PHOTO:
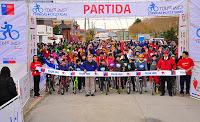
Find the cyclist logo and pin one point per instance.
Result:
(198, 33)
(37, 9)
(152, 7)
(13, 34)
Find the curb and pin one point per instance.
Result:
(33, 104)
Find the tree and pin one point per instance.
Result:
(56, 30)
(137, 21)
(170, 35)
(154, 26)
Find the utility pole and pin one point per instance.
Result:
(85, 29)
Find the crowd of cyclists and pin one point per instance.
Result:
(111, 55)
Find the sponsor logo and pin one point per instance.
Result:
(162, 9)
(73, 73)
(43, 70)
(138, 73)
(7, 9)
(105, 74)
(198, 32)
(49, 11)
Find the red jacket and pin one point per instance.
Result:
(168, 64)
(33, 68)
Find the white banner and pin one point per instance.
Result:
(194, 43)
(24, 90)
(183, 31)
(13, 36)
(110, 74)
(106, 9)
(195, 84)
(12, 112)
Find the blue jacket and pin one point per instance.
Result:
(54, 66)
(90, 66)
(141, 66)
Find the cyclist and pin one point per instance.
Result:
(153, 66)
(50, 77)
(141, 65)
(119, 68)
(131, 67)
(102, 67)
(63, 65)
(78, 67)
(7, 27)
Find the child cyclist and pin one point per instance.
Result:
(155, 79)
(141, 65)
(118, 68)
(78, 67)
(103, 67)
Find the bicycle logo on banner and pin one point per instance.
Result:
(7, 30)
(152, 7)
(198, 32)
(37, 8)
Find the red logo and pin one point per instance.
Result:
(195, 83)
(43, 69)
(138, 73)
(105, 74)
(163, 73)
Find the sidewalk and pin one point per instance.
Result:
(33, 102)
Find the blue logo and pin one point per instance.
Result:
(37, 8)
(152, 7)
(7, 30)
(198, 32)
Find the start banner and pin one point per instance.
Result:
(106, 9)
(111, 74)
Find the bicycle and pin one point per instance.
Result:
(128, 85)
(63, 85)
(50, 84)
(139, 84)
(13, 34)
(37, 9)
(75, 85)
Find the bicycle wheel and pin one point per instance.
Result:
(153, 88)
(141, 86)
(2, 35)
(14, 34)
(128, 87)
(49, 87)
(106, 87)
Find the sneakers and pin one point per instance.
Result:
(92, 95)
(162, 94)
(87, 95)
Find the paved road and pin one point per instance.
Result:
(115, 108)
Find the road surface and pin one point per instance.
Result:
(115, 108)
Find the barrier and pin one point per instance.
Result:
(111, 74)
(12, 111)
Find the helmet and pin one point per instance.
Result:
(141, 56)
